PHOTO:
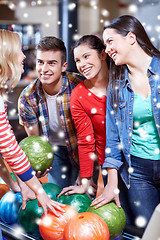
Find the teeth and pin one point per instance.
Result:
(113, 55)
(88, 69)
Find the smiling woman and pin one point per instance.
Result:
(133, 133)
(88, 109)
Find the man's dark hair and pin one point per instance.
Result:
(51, 43)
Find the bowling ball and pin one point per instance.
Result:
(114, 217)
(29, 218)
(3, 189)
(52, 190)
(9, 207)
(52, 227)
(39, 152)
(86, 226)
(80, 202)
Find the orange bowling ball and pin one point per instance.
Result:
(3, 189)
(52, 227)
(86, 226)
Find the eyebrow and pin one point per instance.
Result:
(49, 61)
(83, 54)
(108, 39)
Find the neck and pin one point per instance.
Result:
(98, 85)
(139, 63)
(100, 81)
(53, 88)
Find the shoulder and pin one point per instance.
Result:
(79, 89)
(74, 80)
(30, 90)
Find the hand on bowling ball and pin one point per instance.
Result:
(40, 174)
(110, 193)
(84, 187)
(46, 202)
(27, 194)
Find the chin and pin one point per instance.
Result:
(117, 63)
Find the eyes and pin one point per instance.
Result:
(84, 57)
(41, 62)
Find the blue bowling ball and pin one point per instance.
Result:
(9, 207)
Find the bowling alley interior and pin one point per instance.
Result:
(69, 20)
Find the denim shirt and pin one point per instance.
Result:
(119, 125)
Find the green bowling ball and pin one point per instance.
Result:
(114, 217)
(52, 190)
(29, 218)
(79, 202)
(39, 152)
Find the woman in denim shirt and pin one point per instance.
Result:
(132, 121)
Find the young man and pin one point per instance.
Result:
(44, 109)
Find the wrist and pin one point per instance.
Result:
(86, 183)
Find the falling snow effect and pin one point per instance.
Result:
(132, 9)
(140, 221)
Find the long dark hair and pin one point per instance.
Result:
(93, 42)
(123, 25)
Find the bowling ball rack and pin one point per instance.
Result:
(11, 233)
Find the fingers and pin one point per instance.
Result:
(117, 201)
(65, 190)
(73, 191)
(23, 204)
(96, 201)
(52, 205)
(38, 174)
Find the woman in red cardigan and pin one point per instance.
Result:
(88, 109)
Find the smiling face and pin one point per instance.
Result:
(117, 46)
(49, 67)
(88, 61)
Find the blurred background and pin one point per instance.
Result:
(68, 20)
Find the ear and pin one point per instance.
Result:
(132, 38)
(64, 66)
(103, 55)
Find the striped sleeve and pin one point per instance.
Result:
(11, 151)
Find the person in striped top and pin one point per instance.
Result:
(11, 68)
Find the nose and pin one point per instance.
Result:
(45, 67)
(24, 56)
(82, 63)
(108, 48)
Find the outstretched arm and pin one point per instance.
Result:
(110, 191)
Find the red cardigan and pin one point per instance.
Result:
(89, 116)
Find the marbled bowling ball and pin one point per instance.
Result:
(86, 226)
(80, 202)
(114, 217)
(9, 207)
(29, 218)
(39, 152)
(52, 227)
(52, 190)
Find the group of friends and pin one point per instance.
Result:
(109, 120)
